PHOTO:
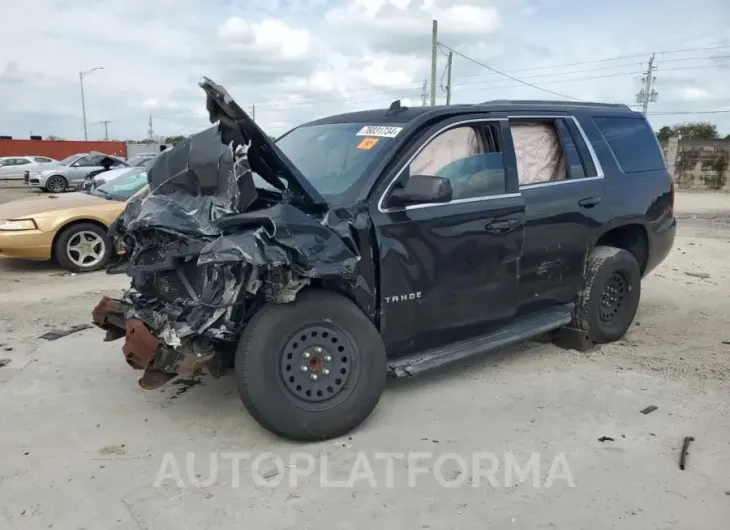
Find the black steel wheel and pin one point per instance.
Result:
(614, 293)
(313, 369)
(317, 363)
(607, 304)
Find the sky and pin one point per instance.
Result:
(304, 59)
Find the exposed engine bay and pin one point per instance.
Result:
(205, 248)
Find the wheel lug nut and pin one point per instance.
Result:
(326, 372)
(307, 355)
(314, 377)
(318, 349)
(305, 369)
(328, 358)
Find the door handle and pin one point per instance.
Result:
(589, 202)
(499, 227)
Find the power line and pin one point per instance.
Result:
(484, 84)
(507, 75)
(414, 84)
(688, 112)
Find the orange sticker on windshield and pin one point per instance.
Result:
(368, 143)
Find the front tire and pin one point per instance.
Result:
(56, 184)
(608, 302)
(83, 247)
(313, 369)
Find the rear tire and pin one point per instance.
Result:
(345, 363)
(607, 304)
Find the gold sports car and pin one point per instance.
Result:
(70, 227)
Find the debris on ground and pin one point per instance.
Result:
(60, 333)
(4, 362)
(703, 275)
(186, 384)
(649, 409)
(685, 448)
(606, 439)
(112, 450)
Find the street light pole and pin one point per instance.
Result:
(83, 101)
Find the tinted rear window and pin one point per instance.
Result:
(633, 143)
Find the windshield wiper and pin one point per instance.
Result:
(106, 194)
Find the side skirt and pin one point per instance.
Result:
(521, 328)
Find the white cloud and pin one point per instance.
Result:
(301, 60)
(695, 94)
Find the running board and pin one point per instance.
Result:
(521, 328)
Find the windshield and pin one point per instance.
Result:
(124, 186)
(139, 160)
(334, 156)
(67, 161)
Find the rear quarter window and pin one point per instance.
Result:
(632, 142)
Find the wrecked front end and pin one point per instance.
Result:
(205, 248)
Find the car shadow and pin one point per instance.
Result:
(16, 266)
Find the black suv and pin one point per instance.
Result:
(384, 242)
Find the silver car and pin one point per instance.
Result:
(72, 171)
(14, 167)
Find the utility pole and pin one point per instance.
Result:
(253, 112)
(448, 78)
(83, 101)
(106, 130)
(424, 93)
(434, 58)
(647, 94)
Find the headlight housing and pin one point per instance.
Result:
(17, 224)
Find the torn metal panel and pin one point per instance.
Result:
(206, 248)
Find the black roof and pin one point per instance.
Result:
(408, 114)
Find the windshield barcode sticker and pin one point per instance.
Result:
(379, 130)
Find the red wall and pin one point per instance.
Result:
(59, 149)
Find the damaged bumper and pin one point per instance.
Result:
(143, 350)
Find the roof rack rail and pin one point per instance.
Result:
(555, 103)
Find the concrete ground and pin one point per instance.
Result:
(11, 190)
(82, 447)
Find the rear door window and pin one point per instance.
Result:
(632, 142)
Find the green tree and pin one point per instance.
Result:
(698, 130)
(174, 139)
(664, 133)
(54, 138)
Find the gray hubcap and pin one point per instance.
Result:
(85, 249)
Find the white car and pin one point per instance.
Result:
(97, 180)
(14, 167)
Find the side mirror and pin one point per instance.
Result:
(422, 189)
(75, 164)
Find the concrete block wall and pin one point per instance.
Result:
(699, 164)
